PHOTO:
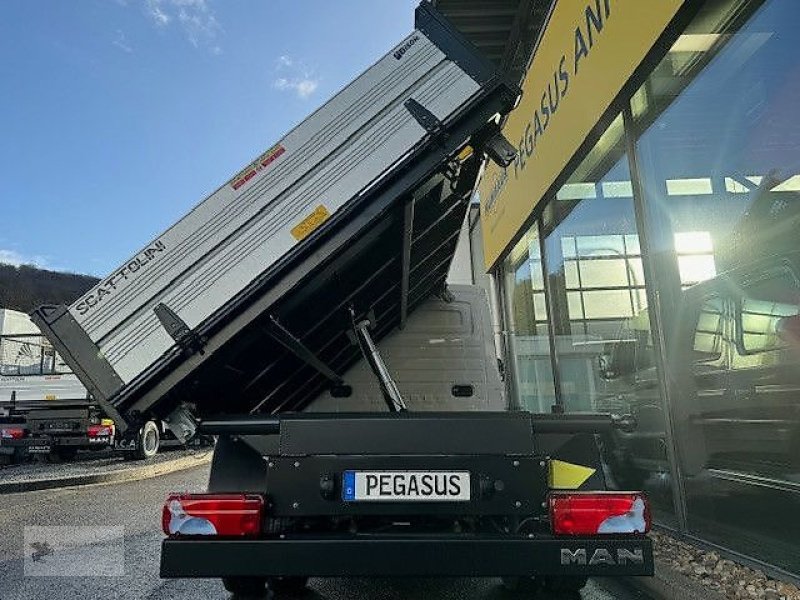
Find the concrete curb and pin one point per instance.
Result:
(668, 584)
(133, 473)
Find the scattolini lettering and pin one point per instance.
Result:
(108, 286)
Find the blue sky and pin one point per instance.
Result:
(118, 116)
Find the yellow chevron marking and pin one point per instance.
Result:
(568, 476)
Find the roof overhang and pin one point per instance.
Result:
(505, 31)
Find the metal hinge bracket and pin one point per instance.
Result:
(429, 121)
(186, 338)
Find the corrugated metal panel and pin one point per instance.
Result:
(505, 31)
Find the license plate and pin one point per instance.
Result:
(39, 449)
(406, 486)
(60, 426)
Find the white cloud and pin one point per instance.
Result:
(14, 258)
(154, 10)
(196, 19)
(121, 42)
(302, 87)
(294, 76)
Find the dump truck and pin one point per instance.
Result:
(267, 304)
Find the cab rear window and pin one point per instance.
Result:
(769, 314)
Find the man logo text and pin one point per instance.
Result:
(602, 556)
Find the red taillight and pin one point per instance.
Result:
(12, 433)
(593, 513)
(212, 514)
(100, 430)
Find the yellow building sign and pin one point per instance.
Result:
(589, 50)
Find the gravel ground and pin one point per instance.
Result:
(723, 576)
(88, 463)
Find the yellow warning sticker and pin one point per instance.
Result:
(465, 153)
(307, 226)
(568, 476)
(50, 397)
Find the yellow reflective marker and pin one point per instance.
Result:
(307, 226)
(465, 153)
(568, 476)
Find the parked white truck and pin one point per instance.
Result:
(46, 410)
(282, 291)
(44, 407)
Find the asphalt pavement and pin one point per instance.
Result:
(87, 463)
(103, 542)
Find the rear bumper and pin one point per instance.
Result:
(417, 556)
(81, 441)
(43, 440)
(25, 443)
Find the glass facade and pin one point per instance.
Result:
(527, 326)
(663, 280)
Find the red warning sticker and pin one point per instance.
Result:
(259, 164)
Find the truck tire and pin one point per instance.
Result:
(14, 458)
(65, 453)
(148, 441)
(287, 585)
(245, 587)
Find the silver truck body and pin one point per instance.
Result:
(164, 312)
(210, 255)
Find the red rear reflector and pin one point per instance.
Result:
(593, 513)
(212, 514)
(12, 433)
(100, 430)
